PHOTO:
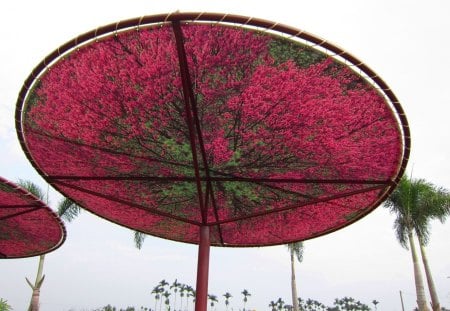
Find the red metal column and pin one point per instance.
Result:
(201, 297)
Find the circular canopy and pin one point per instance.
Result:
(167, 123)
(28, 227)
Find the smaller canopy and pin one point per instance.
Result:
(28, 227)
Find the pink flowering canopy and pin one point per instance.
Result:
(28, 227)
(167, 123)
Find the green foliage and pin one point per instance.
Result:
(416, 202)
(296, 249)
(311, 305)
(5, 188)
(227, 296)
(139, 238)
(348, 304)
(342, 304)
(68, 209)
(107, 308)
(112, 308)
(304, 56)
(246, 294)
(241, 191)
(161, 289)
(179, 152)
(4, 306)
(33, 188)
(212, 299)
(166, 295)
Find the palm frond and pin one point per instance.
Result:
(68, 209)
(296, 249)
(32, 188)
(416, 202)
(401, 232)
(139, 238)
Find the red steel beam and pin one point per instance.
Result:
(187, 94)
(201, 292)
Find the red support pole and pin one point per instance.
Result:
(201, 296)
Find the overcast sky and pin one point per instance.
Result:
(406, 42)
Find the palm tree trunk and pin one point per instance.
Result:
(293, 284)
(34, 302)
(420, 289)
(434, 298)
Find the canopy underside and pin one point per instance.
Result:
(179, 124)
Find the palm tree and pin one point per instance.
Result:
(161, 292)
(183, 288)
(311, 305)
(273, 305)
(67, 210)
(227, 296)
(437, 207)
(156, 292)
(416, 202)
(190, 293)
(162, 284)
(375, 302)
(246, 294)
(349, 303)
(280, 303)
(166, 295)
(175, 285)
(296, 251)
(213, 299)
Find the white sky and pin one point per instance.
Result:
(406, 42)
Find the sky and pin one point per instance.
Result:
(406, 42)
